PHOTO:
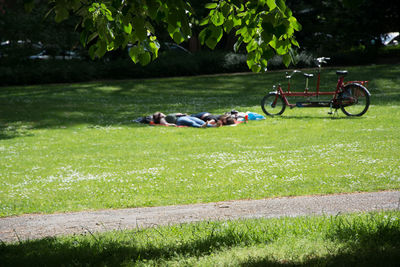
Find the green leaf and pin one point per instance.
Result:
(149, 27)
(270, 18)
(286, 60)
(153, 47)
(252, 6)
(256, 68)
(92, 51)
(242, 14)
(282, 47)
(61, 13)
(204, 21)
(138, 26)
(273, 42)
(152, 8)
(250, 63)
(266, 36)
(267, 27)
(184, 25)
(109, 17)
(101, 48)
(211, 5)
(249, 36)
(203, 35)
(92, 37)
(135, 52)
(83, 38)
(177, 37)
(294, 58)
(295, 24)
(280, 30)
(144, 58)
(246, 33)
(288, 12)
(253, 61)
(228, 25)
(248, 19)
(294, 42)
(281, 5)
(217, 18)
(242, 31)
(226, 9)
(215, 37)
(268, 53)
(271, 4)
(236, 21)
(236, 46)
(264, 63)
(110, 46)
(251, 46)
(128, 28)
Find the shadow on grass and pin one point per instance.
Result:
(330, 117)
(357, 257)
(50, 251)
(120, 102)
(368, 245)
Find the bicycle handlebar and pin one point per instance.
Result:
(320, 60)
(323, 59)
(290, 76)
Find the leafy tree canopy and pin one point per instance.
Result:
(263, 27)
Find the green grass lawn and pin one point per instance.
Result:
(70, 147)
(371, 239)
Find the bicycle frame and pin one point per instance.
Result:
(352, 97)
(307, 94)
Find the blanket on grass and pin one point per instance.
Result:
(155, 124)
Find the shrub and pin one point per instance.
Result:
(169, 64)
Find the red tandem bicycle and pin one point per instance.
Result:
(352, 97)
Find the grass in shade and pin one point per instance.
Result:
(371, 239)
(70, 147)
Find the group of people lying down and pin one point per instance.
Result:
(199, 120)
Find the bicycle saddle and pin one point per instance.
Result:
(341, 72)
(308, 75)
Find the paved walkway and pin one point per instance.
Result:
(39, 226)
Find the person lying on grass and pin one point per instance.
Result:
(216, 120)
(178, 119)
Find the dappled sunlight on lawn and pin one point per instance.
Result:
(75, 147)
(119, 102)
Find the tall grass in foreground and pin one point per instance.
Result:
(69, 147)
(371, 239)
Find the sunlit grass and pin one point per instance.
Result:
(74, 146)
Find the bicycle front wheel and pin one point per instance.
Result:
(273, 104)
(355, 100)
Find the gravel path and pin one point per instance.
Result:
(39, 226)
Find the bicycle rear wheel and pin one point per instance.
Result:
(273, 104)
(355, 100)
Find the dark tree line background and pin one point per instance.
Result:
(344, 24)
(345, 29)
